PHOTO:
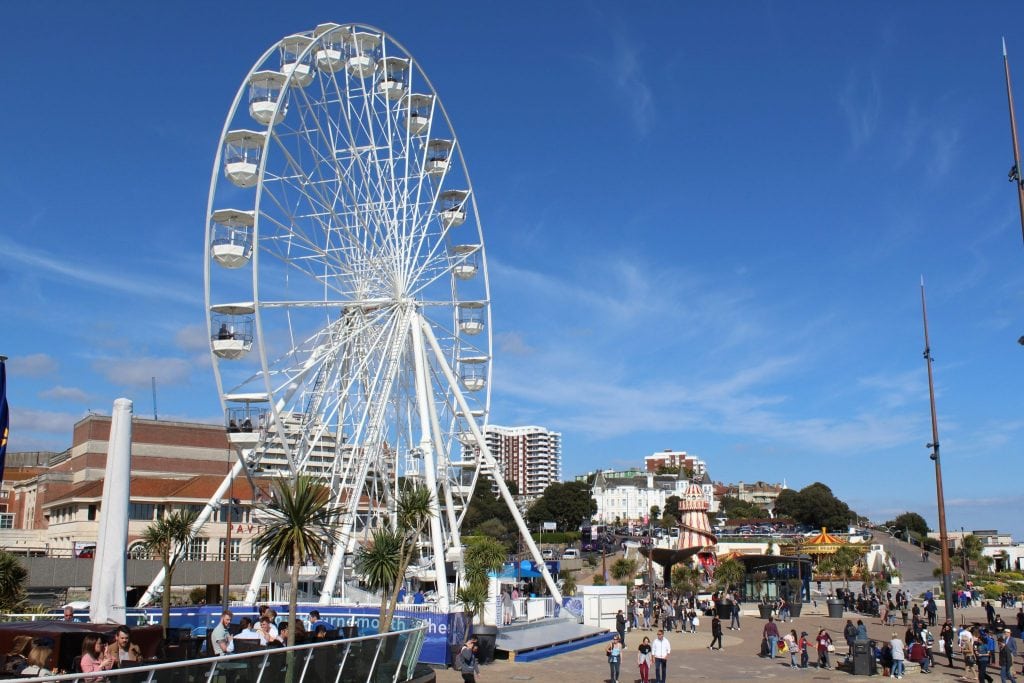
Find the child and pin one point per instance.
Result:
(804, 644)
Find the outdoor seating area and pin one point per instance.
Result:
(188, 654)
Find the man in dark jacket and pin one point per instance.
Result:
(468, 665)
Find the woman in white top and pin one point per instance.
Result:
(38, 658)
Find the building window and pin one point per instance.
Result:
(236, 547)
(7, 520)
(237, 513)
(196, 551)
(91, 513)
(141, 511)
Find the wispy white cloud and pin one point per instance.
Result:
(512, 343)
(192, 338)
(32, 365)
(61, 393)
(138, 372)
(48, 422)
(103, 277)
(629, 75)
(861, 103)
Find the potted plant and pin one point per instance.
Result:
(796, 597)
(484, 555)
(764, 607)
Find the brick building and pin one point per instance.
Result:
(529, 456)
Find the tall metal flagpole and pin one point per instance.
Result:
(947, 579)
(1014, 175)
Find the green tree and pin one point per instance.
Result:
(730, 574)
(163, 539)
(568, 504)
(672, 506)
(969, 551)
(483, 555)
(844, 560)
(668, 520)
(655, 513)
(384, 560)
(13, 577)
(734, 508)
(910, 520)
(685, 578)
(485, 507)
(300, 524)
(622, 570)
(815, 505)
(568, 582)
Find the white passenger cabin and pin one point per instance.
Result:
(473, 372)
(231, 242)
(471, 317)
(231, 327)
(247, 418)
(264, 91)
(293, 63)
(361, 47)
(394, 75)
(417, 118)
(453, 211)
(329, 52)
(242, 151)
(466, 262)
(439, 154)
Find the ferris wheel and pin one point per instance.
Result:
(346, 289)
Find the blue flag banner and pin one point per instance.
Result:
(5, 417)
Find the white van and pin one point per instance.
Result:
(571, 554)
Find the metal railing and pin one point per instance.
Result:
(389, 657)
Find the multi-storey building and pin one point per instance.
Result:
(629, 499)
(678, 461)
(760, 493)
(529, 456)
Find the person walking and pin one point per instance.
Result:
(1005, 662)
(614, 652)
(716, 633)
(983, 656)
(824, 641)
(771, 634)
(644, 660)
(850, 635)
(661, 649)
(792, 647)
(946, 636)
(620, 627)
(469, 667)
(1011, 645)
(898, 655)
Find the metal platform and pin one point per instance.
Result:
(537, 640)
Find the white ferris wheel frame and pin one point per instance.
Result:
(413, 326)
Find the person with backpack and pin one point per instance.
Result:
(614, 653)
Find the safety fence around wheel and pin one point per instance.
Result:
(389, 657)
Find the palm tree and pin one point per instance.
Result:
(299, 524)
(484, 555)
(623, 569)
(164, 538)
(384, 560)
(970, 551)
(568, 582)
(730, 573)
(13, 577)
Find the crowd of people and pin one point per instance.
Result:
(30, 656)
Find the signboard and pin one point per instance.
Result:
(550, 526)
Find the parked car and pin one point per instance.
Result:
(571, 554)
(547, 554)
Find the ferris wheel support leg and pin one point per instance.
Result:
(455, 539)
(197, 526)
(429, 467)
(253, 590)
(489, 460)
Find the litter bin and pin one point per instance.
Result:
(351, 631)
(863, 658)
(835, 609)
(486, 636)
(724, 610)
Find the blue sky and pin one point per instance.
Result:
(705, 223)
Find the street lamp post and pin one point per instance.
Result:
(947, 580)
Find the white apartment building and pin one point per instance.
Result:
(630, 499)
(529, 456)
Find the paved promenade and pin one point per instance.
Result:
(738, 660)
